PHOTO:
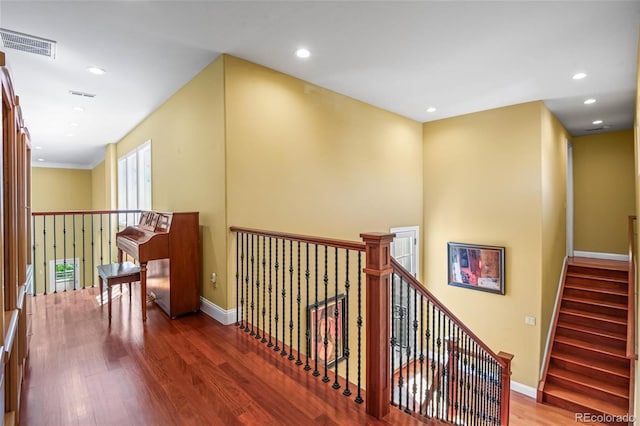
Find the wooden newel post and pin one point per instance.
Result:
(506, 387)
(378, 275)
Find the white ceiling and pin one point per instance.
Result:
(460, 57)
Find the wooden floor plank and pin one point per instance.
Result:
(189, 371)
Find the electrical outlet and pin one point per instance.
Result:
(530, 320)
(213, 279)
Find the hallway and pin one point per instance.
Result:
(190, 371)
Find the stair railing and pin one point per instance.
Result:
(302, 297)
(441, 369)
(632, 353)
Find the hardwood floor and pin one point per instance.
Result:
(189, 371)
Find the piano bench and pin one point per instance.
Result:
(117, 273)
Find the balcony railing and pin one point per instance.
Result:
(68, 245)
(334, 306)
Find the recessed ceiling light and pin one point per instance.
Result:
(78, 108)
(431, 109)
(38, 147)
(96, 70)
(589, 101)
(579, 76)
(70, 134)
(598, 122)
(40, 159)
(303, 53)
(73, 124)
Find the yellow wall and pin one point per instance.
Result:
(604, 193)
(303, 159)
(188, 164)
(554, 215)
(483, 184)
(98, 187)
(60, 189)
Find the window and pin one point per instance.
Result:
(134, 181)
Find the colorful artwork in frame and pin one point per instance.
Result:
(475, 266)
(325, 325)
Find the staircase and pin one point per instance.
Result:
(588, 370)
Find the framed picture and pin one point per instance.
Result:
(325, 322)
(476, 266)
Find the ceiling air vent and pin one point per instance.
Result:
(82, 94)
(28, 43)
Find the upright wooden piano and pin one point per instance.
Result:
(167, 246)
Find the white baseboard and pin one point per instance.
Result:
(606, 256)
(524, 389)
(223, 316)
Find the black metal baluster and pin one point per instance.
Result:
(475, 386)
(315, 318)
(431, 382)
(441, 365)
(241, 323)
(499, 400)
(290, 357)
(55, 257)
(485, 368)
(347, 350)
(336, 317)
(394, 342)
(74, 251)
(408, 349)
(415, 348)
(101, 240)
(325, 378)
(359, 399)
(458, 370)
(270, 344)
(237, 277)
(436, 372)
(252, 282)
(452, 368)
(277, 266)
(423, 397)
(260, 284)
(34, 291)
(257, 334)
(465, 365)
(246, 287)
(307, 274)
(44, 251)
(93, 281)
(298, 299)
(264, 288)
(64, 250)
(283, 352)
(494, 391)
(401, 314)
(110, 231)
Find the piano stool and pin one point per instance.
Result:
(117, 273)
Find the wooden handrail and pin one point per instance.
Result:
(406, 276)
(77, 212)
(331, 242)
(631, 296)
